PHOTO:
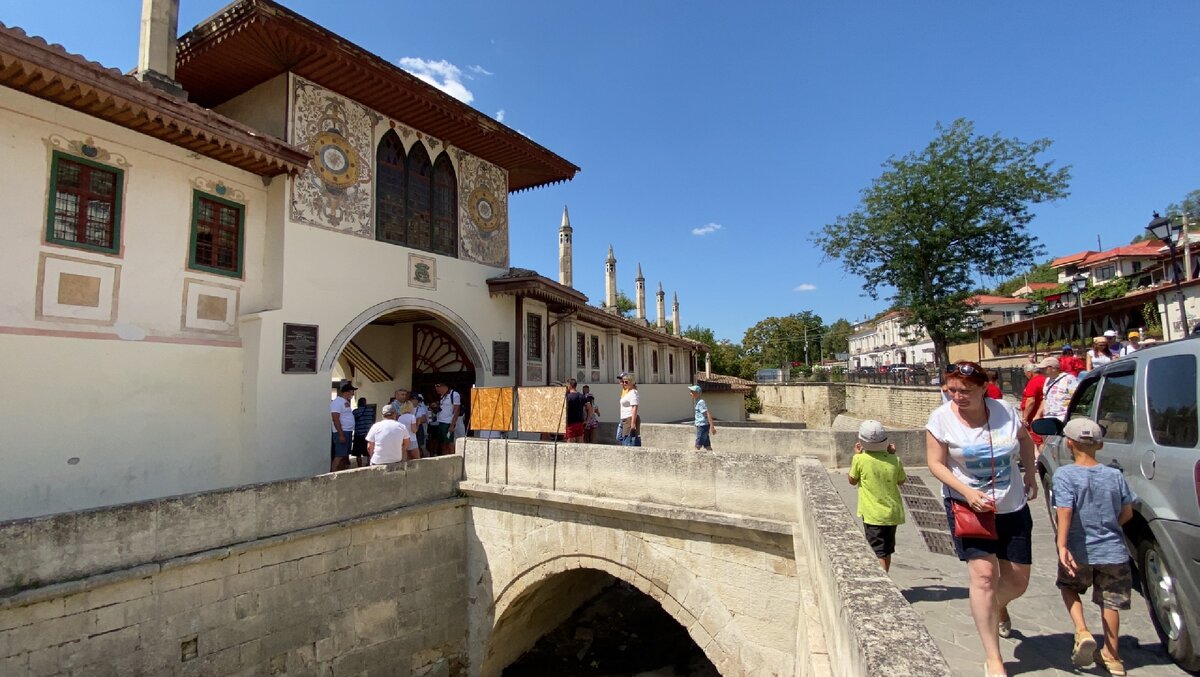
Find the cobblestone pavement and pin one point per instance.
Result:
(936, 585)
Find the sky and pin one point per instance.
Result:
(715, 138)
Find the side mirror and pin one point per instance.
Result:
(1047, 426)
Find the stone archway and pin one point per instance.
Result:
(684, 598)
(455, 324)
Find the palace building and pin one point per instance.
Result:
(194, 252)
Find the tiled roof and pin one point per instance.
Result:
(1039, 286)
(723, 383)
(990, 300)
(1070, 258)
(31, 65)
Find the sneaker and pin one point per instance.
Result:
(1084, 653)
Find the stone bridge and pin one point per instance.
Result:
(457, 566)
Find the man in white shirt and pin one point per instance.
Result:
(388, 439)
(341, 413)
(1133, 345)
(449, 410)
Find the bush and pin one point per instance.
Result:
(753, 404)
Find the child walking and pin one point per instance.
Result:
(1092, 501)
(878, 475)
(704, 421)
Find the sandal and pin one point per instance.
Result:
(1084, 653)
(1004, 628)
(1114, 665)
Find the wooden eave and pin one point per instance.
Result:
(31, 65)
(252, 41)
(563, 299)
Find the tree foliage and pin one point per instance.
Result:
(935, 218)
(836, 339)
(780, 341)
(1041, 272)
(726, 357)
(625, 305)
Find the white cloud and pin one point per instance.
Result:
(706, 229)
(805, 287)
(440, 74)
(480, 70)
(500, 115)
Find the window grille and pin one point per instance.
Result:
(85, 204)
(217, 235)
(533, 337)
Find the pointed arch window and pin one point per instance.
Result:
(445, 207)
(390, 184)
(420, 185)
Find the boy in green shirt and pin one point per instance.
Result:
(878, 475)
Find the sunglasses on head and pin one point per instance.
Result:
(965, 369)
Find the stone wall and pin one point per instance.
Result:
(818, 404)
(336, 574)
(833, 448)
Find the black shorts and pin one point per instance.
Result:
(881, 538)
(360, 446)
(1014, 545)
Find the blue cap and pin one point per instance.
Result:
(1068, 347)
(695, 389)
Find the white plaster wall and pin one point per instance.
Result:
(143, 420)
(660, 402)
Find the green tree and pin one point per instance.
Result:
(779, 341)
(836, 338)
(726, 356)
(625, 305)
(935, 218)
(1189, 206)
(1041, 272)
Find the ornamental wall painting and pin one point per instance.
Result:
(335, 189)
(482, 211)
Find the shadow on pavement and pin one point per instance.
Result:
(933, 593)
(1041, 652)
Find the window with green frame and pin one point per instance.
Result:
(218, 234)
(85, 204)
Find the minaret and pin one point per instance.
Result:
(564, 250)
(675, 313)
(640, 284)
(660, 295)
(610, 281)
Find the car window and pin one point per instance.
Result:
(1084, 396)
(1171, 394)
(1115, 410)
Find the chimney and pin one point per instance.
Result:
(158, 44)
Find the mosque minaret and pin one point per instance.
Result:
(640, 288)
(675, 313)
(564, 250)
(610, 282)
(660, 296)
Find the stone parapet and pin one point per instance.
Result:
(818, 404)
(833, 448)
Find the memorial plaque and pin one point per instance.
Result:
(299, 348)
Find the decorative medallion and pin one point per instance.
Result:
(422, 271)
(335, 161)
(86, 148)
(483, 209)
(217, 187)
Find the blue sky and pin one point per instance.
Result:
(766, 118)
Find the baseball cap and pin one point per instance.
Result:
(1083, 430)
(872, 436)
(695, 389)
(347, 388)
(390, 409)
(1048, 362)
(1111, 333)
(1068, 349)
(1134, 334)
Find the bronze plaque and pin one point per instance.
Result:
(299, 348)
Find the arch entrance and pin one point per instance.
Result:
(406, 343)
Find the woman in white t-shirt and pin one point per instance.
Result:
(972, 446)
(1099, 354)
(628, 434)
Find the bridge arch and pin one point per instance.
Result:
(681, 595)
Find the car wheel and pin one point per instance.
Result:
(1166, 600)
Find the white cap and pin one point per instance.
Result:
(872, 436)
(1111, 333)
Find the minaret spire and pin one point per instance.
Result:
(564, 250)
(660, 295)
(640, 293)
(610, 282)
(675, 313)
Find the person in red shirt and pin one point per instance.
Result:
(1031, 399)
(1070, 363)
(993, 387)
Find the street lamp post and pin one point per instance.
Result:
(1031, 310)
(1161, 228)
(1079, 284)
(976, 323)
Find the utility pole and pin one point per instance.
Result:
(805, 346)
(1185, 244)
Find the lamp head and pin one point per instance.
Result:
(1160, 227)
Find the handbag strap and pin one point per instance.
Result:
(987, 423)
